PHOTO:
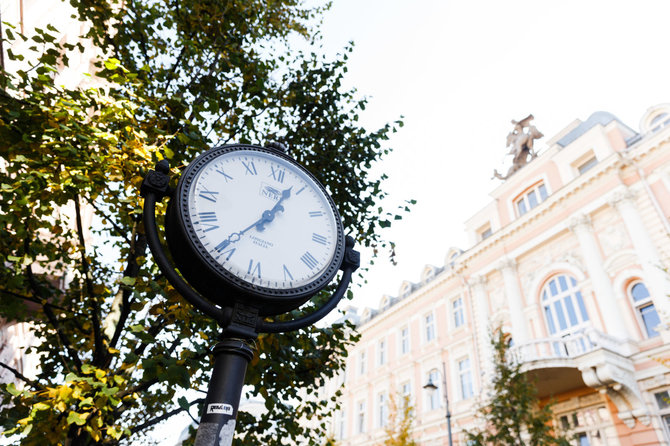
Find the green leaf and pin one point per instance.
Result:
(76, 418)
(129, 281)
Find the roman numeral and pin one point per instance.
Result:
(287, 274)
(250, 168)
(225, 175)
(208, 194)
(254, 269)
(229, 252)
(309, 260)
(318, 238)
(316, 213)
(277, 175)
(208, 219)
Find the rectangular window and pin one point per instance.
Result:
(360, 417)
(429, 323)
(532, 199)
(663, 402)
(361, 363)
(339, 435)
(434, 393)
(457, 308)
(522, 207)
(587, 165)
(465, 378)
(381, 352)
(404, 340)
(382, 410)
(485, 233)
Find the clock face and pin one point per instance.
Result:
(262, 219)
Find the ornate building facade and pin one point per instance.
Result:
(569, 258)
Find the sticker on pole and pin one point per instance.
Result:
(223, 408)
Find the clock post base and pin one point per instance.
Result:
(217, 423)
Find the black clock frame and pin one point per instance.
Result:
(208, 276)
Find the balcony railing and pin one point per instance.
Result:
(566, 347)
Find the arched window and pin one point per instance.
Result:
(644, 308)
(563, 305)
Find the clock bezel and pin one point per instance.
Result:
(211, 278)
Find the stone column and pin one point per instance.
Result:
(514, 300)
(655, 278)
(481, 321)
(602, 286)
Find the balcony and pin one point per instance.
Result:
(584, 358)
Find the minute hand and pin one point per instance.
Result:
(269, 215)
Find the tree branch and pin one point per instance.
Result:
(95, 308)
(118, 228)
(34, 384)
(164, 417)
(52, 317)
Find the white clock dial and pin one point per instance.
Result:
(263, 219)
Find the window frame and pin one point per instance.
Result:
(522, 202)
(432, 325)
(663, 409)
(360, 417)
(458, 313)
(362, 366)
(639, 306)
(555, 305)
(381, 352)
(434, 396)
(382, 409)
(404, 341)
(465, 378)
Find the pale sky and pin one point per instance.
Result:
(460, 70)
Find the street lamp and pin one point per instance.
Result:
(430, 385)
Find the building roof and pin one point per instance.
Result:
(600, 117)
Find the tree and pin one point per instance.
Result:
(401, 420)
(513, 416)
(119, 345)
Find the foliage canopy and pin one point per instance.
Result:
(119, 345)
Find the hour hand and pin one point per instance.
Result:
(269, 215)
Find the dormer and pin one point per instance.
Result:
(428, 273)
(452, 256)
(386, 302)
(368, 314)
(655, 118)
(405, 289)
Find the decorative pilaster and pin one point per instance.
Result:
(602, 286)
(513, 293)
(655, 277)
(481, 320)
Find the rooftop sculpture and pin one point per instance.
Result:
(520, 145)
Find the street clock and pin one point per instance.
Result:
(250, 225)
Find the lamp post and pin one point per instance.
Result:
(430, 385)
(246, 243)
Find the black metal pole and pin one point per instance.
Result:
(217, 422)
(446, 400)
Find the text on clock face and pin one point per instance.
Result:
(263, 219)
